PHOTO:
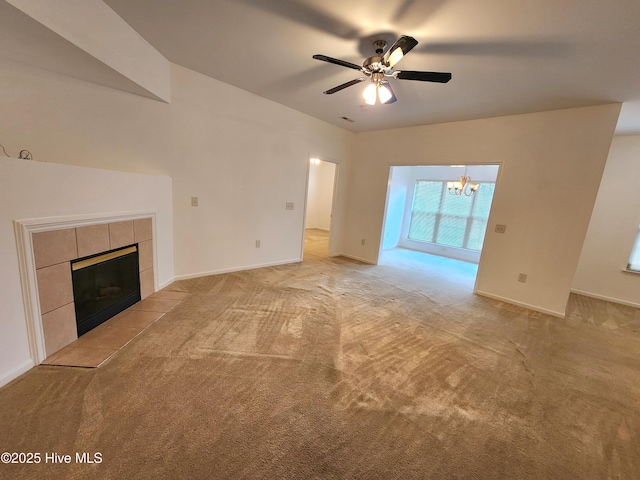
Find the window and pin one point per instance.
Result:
(634, 258)
(451, 220)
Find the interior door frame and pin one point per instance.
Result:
(332, 224)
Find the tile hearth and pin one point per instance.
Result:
(97, 346)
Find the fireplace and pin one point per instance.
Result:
(47, 247)
(104, 285)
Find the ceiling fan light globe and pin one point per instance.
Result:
(370, 94)
(384, 94)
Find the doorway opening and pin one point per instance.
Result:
(321, 192)
(428, 226)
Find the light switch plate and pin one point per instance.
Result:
(289, 206)
(194, 201)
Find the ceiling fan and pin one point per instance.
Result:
(380, 66)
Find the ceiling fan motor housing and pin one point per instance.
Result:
(375, 64)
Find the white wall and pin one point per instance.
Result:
(613, 228)
(552, 165)
(320, 195)
(32, 189)
(399, 191)
(242, 155)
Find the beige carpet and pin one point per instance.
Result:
(331, 369)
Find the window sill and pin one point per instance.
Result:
(636, 272)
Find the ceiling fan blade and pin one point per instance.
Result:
(440, 77)
(344, 85)
(337, 61)
(399, 49)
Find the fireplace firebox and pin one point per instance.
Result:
(104, 285)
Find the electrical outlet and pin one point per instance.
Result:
(289, 206)
(257, 243)
(194, 201)
(363, 242)
(522, 278)
(500, 228)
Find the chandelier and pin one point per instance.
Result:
(463, 186)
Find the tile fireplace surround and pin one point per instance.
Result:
(52, 249)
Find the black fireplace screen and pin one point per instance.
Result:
(104, 285)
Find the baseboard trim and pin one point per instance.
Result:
(605, 298)
(15, 372)
(353, 257)
(521, 304)
(235, 269)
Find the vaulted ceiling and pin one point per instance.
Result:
(505, 57)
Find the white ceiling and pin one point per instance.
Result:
(506, 56)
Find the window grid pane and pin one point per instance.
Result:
(422, 226)
(456, 205)
(483, 197)
(476, 234)
(427, 196)
(451, 231)
(444, 219)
